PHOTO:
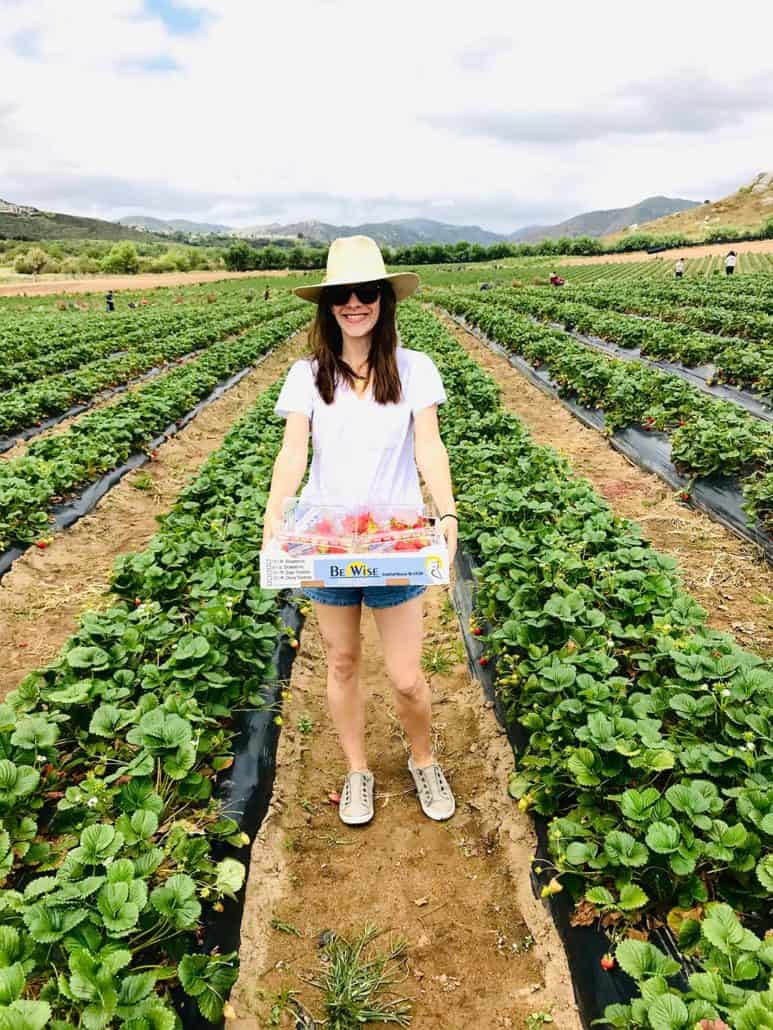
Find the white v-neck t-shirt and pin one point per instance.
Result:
(363, 451)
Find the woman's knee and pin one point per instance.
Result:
(343, 663)
(408, 684)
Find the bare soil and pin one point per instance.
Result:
(728, 577)
(146, 281)
(482, 952)
(747, 246)
(45, 591)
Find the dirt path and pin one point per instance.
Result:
(42, 595)
(145, 281)
(747, 246)
(725, 574)
(482, 952)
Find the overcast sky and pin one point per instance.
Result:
(490, 112)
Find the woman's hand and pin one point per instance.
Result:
(450, 529)
(271, 523)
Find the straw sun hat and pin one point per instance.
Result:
(357, 259)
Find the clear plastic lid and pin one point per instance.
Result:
(333, 529)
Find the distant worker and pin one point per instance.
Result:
(556, 280)
(266, 294)
(730, 262)
(109, 302)
(679, 268)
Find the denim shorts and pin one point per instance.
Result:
(374, 597)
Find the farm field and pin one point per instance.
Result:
(602, 670)
(12, 285)
(758, 253)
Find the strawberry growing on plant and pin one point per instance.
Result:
(607, 962)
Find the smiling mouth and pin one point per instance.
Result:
(356, 317)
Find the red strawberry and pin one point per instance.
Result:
(477, 631)
(294, 644)
(325, 527)
(336, 550)
(41, 544)
(607, 962)
(334, 797)
(137, 602)
(483, 660)
(404, 545)
(684, 496)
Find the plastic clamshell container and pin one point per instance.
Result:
(382, 545)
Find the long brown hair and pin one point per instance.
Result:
(327, 345)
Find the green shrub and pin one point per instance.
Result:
(122, 258)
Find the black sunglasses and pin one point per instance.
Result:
(366, 293)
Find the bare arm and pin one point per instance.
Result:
(289, 470)
(432, 462)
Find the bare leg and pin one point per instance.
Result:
(340, 628)
(402, 632)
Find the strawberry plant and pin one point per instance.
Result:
(58, 465)
(23, 405)
(108, 821)
(707, 435)
(647, 740)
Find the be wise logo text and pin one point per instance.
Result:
(356, 569)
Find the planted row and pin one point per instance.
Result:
(108, 827)
(738, 362)
(100, 335)
(706, 435)
(58, 465)
(709, 314)
(646, 736)
(748, 294)
(31, 402)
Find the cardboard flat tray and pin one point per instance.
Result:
(427, 567)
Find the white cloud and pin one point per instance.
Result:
(321, 109)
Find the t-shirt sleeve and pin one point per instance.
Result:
(426, 385)
(297, 393)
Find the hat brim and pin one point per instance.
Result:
(403, 283)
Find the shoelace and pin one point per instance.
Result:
(439, 783)
(363, 790)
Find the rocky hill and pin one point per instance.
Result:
(749, 208)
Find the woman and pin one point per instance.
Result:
(730, 262)
(371, 407)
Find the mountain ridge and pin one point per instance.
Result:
(24, 220)
(605, 221)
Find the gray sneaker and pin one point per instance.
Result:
(437, 801)
(356, 804)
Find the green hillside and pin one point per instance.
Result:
(44, 225)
